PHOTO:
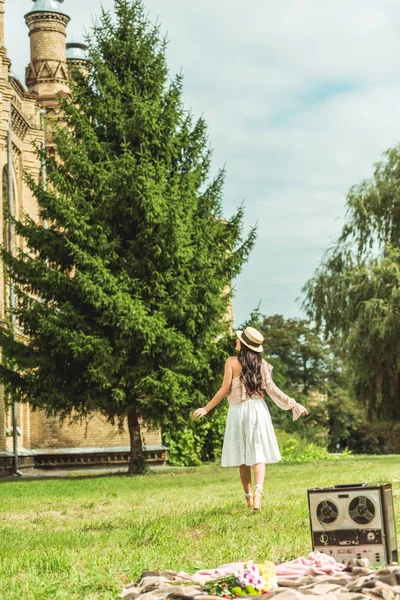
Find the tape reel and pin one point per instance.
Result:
(329, 512)
(362, 510)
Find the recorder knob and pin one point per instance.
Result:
(323, 538)
(370, 536)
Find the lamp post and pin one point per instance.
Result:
(11, 214)
(43, 154)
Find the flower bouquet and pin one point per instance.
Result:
(252, 580)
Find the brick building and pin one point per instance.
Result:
(24, 113)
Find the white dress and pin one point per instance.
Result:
(249, 434)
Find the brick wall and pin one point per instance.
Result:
(48, 37)
(48, 432)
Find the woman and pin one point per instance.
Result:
(250, 439)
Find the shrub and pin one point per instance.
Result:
(182, 447)
(296, 449)
(201, 441)
(333, 420)
(376, 438)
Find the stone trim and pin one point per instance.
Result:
(88, 450)
(73, 458)
(57, 72)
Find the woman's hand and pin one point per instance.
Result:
(200, 412)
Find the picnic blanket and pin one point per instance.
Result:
(317, 563)
(315, 575)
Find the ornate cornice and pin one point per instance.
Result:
(32, 18)
(78, 63)
(46, 71)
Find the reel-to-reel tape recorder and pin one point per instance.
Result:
(354, 521)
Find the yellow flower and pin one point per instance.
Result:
(267, 572)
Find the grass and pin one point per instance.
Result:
(86, 538)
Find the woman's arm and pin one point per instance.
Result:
(281, 399)
(222, 392)
(284, 401)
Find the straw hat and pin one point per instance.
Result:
(251, 338)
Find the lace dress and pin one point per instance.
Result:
(249, 434)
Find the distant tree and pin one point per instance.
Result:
(304, 364)
(121, 300)
(339, 416)
(355, 293)
(297, 352)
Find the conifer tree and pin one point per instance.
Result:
(122, 299)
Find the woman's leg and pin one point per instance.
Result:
(245, 476)
(259, 476)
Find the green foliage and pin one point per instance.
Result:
(338, 416)
(184, 447)
(122, 298)
(189, 448)
(312, 371)
(201, 441)
(297, 352)
(303, 362)
(376, 438)
(227, 587)
(295, 448)
(355, 293)
(309, 428)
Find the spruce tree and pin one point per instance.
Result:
(121, 299)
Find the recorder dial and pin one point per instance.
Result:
(323, 538)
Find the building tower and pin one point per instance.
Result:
(47, 73)
(77, 56)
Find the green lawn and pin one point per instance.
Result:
(86, 538)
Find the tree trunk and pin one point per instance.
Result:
(137, 462)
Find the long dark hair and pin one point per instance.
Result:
(251, 370)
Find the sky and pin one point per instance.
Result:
(301, 98)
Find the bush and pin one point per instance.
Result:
(314, 428)
(296, 449)
(333, 420)
(201, 441)
(376, 438)
(183, 447)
